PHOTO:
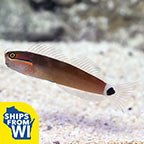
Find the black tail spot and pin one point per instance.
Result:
(110, 91)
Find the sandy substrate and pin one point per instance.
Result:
(67, 119)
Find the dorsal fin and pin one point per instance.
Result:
(54, 52)
(48, 50)
(85, 64)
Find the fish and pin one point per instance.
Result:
(75, 79)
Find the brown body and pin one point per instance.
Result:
(47, 68)
(66, 74)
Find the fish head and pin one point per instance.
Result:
(20, 61)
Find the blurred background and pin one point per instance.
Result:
(73, 20)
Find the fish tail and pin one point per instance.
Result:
(121, 96)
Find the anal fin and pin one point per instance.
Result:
(82, 94)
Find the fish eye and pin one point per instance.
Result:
(12, 55)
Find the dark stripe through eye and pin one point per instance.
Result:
(25, 59)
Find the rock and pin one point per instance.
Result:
(37, 1)
(65, 2)
(43, 5)
(45, 26)
(85, 25)
(14, 15)
(101, 19)
(94, 20)
(50, 5)
(19, 22)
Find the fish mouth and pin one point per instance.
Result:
(7, 64)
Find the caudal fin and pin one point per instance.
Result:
(123, 96)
